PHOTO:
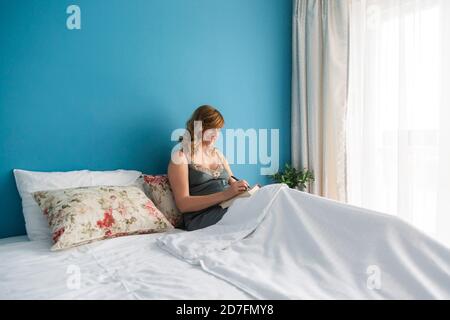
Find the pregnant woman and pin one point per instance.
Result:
(199, 174)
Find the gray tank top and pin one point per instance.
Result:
(203, 181)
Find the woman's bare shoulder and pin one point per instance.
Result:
(178, 158)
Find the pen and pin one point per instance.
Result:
(248, 187)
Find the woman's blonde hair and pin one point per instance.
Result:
(210, 118)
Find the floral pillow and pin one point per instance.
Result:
(81, 215)
(158, 189)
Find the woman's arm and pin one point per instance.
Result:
(179, 182)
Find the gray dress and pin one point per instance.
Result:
(203, 183)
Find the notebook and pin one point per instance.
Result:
(246, 194)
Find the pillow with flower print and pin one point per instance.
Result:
(81, 215)
(158, 189)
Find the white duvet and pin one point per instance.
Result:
(130, 267)
(286, 244)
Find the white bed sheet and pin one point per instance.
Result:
(13, 239)
(130, 267)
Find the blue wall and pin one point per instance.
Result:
(109, 95)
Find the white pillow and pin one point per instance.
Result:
(28, 182)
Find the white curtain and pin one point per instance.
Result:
(398, 122)
(319, 93)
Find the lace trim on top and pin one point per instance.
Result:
(213, 172)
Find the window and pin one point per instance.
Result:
(398, 134)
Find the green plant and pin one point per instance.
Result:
(293, 178)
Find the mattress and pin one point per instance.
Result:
(131, 267)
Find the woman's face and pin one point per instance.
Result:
(210, 136)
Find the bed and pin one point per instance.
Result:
(130, 267)
(278, 244)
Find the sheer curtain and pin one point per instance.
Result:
(398, 120)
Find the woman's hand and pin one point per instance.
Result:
(236, 187)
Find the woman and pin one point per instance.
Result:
(199, 174)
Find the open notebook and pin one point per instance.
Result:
(245, 194)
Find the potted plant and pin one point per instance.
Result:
(295, 179)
